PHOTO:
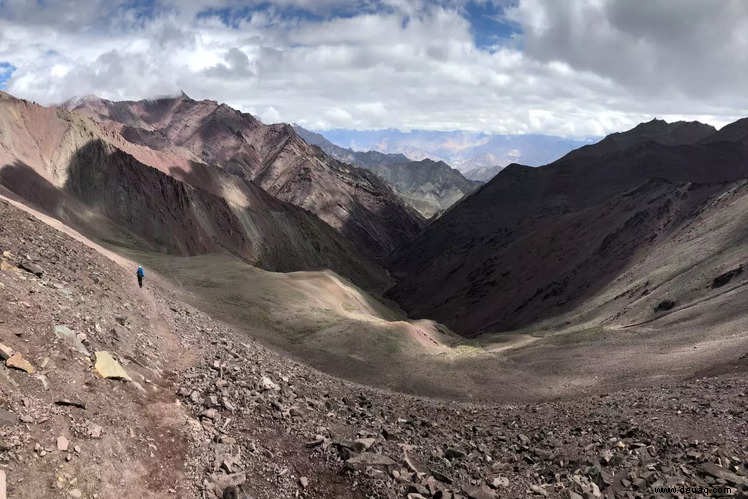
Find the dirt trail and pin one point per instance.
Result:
(123, 439)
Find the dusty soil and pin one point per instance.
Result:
(210, 412)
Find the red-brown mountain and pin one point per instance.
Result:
(88, 175)
(353, 201)
(633, 226)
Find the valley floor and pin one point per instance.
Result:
(210, 412)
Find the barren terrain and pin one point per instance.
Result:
(208, 408)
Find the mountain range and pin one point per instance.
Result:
(463, 150)
(428, 186)
(144, 174)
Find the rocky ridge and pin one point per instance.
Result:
(353, 201)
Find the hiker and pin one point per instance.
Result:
(140, 273)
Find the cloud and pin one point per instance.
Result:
(565, 68)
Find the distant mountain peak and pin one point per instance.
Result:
(428, 186)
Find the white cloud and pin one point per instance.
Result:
(578, 69)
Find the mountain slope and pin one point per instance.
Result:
(590, 235)
(107, 187)
(428, 186)
(206, 406)
(483, 173)
(353, 201)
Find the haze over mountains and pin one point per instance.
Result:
(428, 186)
(465, 151)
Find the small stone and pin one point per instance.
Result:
(94, 430)
(365, 443)
(209, 413)
(500, 481)
(17, 361)
(31, 268)
(316, 442)
(69, 337)
(62, 443)
(417, 488)
(75, 493)
(441, 476)
(481, 492)
(267, 384)
(370, 459)
(295, 412)
(71, 403)
(539, 490)
(723, 474)
(5, 352)
(304, 482)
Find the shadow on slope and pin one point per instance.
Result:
(111, 196)
(535, 243)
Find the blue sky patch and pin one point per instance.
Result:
(6, 71)
(489, 25)
(233, 16)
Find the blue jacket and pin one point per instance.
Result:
(140, 272)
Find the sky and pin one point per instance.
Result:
(564, 68)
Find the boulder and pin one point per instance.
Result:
(5, 352)
(31, 268)
(69, 337)
(17, 361)
(109, 368)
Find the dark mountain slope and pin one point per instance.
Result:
(536, 242)
(353, 201)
